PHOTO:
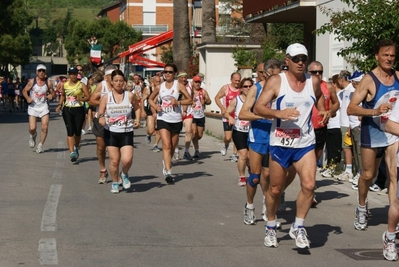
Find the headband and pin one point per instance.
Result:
(182, 74)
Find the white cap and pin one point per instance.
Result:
(41, 67)
(296, 49)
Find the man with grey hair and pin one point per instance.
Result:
(102, 88)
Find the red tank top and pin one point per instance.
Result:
(230, 95)
(316, 119)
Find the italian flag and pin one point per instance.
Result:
(95, 54)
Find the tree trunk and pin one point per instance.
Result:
(181, 34)
(208, 21)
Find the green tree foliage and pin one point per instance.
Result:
(167, 54)
(114, 38)
(284, 34)
(368, 22)
(15, 44)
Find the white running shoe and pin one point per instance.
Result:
(83, 132)
(327, 173)
(32, 141)
(344, 176)
(355, 179)
(234, 158)
(114, 188)
(360, 220)
(249, 216)
(176, 155)
(242, 181)
(389, 248)
(223, 151)
(125, 180)
(300, 236)
(39, 149)
(270, 237)
(375, 188)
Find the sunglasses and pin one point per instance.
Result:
(41, 70)
(168, 71)
(197, 81)
(297, 59)
(265, 72)
(246, 86)
(314, 72)
(80, 69)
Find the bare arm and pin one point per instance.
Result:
(153, 95)
(187, 98)
(334, 106)
(95, 96)
(230, 109)
(101, 110)
(320, 104)
(86, 93)
(51, 91)
(136, 108)
(207, 99)
(25, 91)
(219, 95)
(245, 112)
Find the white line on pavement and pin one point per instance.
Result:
(48, 251)
(49, 219)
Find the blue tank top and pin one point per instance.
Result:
(372, 132)
(259, 130)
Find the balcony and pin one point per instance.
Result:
(279, 11)
(150, 29)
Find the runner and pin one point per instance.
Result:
(36, 92)
(292, 139)
(227, 93)
(200, 99)
(115, 115)
(169, 119)
(74, 94)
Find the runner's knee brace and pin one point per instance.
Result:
(253, 179)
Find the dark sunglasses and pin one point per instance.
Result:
(80, 69)
(246, 86)
(168, 71)
(297, 59)
(314, 72)
(197, 81)
(41, 70)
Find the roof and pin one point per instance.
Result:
(104, 9)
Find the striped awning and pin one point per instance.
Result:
(197, 17)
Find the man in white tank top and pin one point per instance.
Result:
(40, 90)
(292, 139)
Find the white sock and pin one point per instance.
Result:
(298, 222)
(271, 224)
(348, 168)
(250, 206)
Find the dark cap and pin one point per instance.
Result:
(73, 70)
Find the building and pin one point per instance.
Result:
(110, 11)
(323, 48)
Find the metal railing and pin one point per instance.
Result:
(150, 29)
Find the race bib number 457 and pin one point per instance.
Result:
(288, 136)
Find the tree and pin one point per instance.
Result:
(15, 44)
(367, 22)
(114, 38)
(208, 21)
(181, 34)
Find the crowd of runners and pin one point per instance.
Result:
(280, 125)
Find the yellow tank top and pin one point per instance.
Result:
(72, 94)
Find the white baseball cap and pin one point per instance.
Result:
(296, 49)
(41, 67)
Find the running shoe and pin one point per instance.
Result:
(187, 155)
(375, 188)
(354, 179)
(156, 149)
(125, 180)
(383, 192)
(344, 176)
(39, 149)
(360, 220)
(114, 188)
(270, 237)
(148, 139)
(32, 141)
(234, 158)
(176, 155)
(300, 236)
(196, 154)
(169, 179)
(120, 182)
(389, 248)
(83, 132)
(223, 151)
(327, 173)
(103, 177)
(89, 129)
(264, 217)
(242, 181)
(164, 172)
(249, 216)
(73, 156)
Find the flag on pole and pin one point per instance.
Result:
(95, 53)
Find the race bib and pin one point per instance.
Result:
(118, 121)
(288, 137)
(243, 126)
(72, 101)
(167, 105)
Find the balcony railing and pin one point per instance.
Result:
(150, 29)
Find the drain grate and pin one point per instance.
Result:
(363, 254)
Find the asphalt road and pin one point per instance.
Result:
(54, 213)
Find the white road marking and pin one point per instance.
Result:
(57, 175)
(48, 251)
(49, 219)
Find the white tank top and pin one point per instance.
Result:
(240, 125)
(119, 116)
(39, 95)
(190, 92)
(169, 113)
(198, 110)
(104, 90)
(298, 133)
